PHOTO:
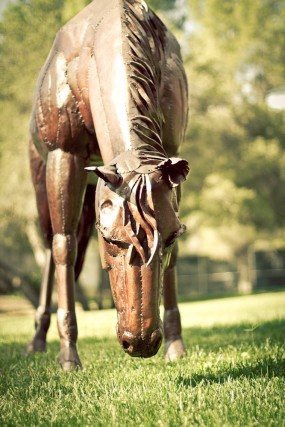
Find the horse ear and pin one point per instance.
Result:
(176, 170)
(108, 173)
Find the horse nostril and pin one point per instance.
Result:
(155, 339)
(127, 346)
(156, 335)
(128, 342)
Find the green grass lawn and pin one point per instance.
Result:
(233, 374)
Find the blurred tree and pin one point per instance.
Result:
(235, 143)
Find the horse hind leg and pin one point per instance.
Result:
(85, 227)
(84, 232)
(174, 346)
(43, 312)
(66, 183)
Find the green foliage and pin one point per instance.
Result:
(162, 4)
(233, 374)
(232, 61)
(223, 201)
(245, 33)
(25, 27)
(72, 7)
(263, 171)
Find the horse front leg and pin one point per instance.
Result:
(66, 183)
(43, 312)
(174, 346)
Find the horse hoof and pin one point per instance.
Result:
(174, 350)
(36, 346)
(68, 359)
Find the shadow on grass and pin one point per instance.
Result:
(215, 337)
(261, 369)
(251, 352)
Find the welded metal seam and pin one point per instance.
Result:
(61, 200)
(101, 102)
(44, 127)
(141, 304)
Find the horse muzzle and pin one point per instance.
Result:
(145, 347)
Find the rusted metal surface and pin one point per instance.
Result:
(113, 89)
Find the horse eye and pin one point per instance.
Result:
(107, 204)
(170, 241)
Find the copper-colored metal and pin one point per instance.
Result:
(113, 89)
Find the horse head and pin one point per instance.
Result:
(138, 223)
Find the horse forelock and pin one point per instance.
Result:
(140, 219)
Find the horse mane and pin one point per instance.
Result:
(143, 51)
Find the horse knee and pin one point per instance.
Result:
(64, 248)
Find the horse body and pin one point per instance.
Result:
(112, 88)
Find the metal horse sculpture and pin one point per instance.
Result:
(113, 89)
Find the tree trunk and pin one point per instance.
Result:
(244, 283)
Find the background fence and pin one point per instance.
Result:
(202, 276)
(198, 277)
